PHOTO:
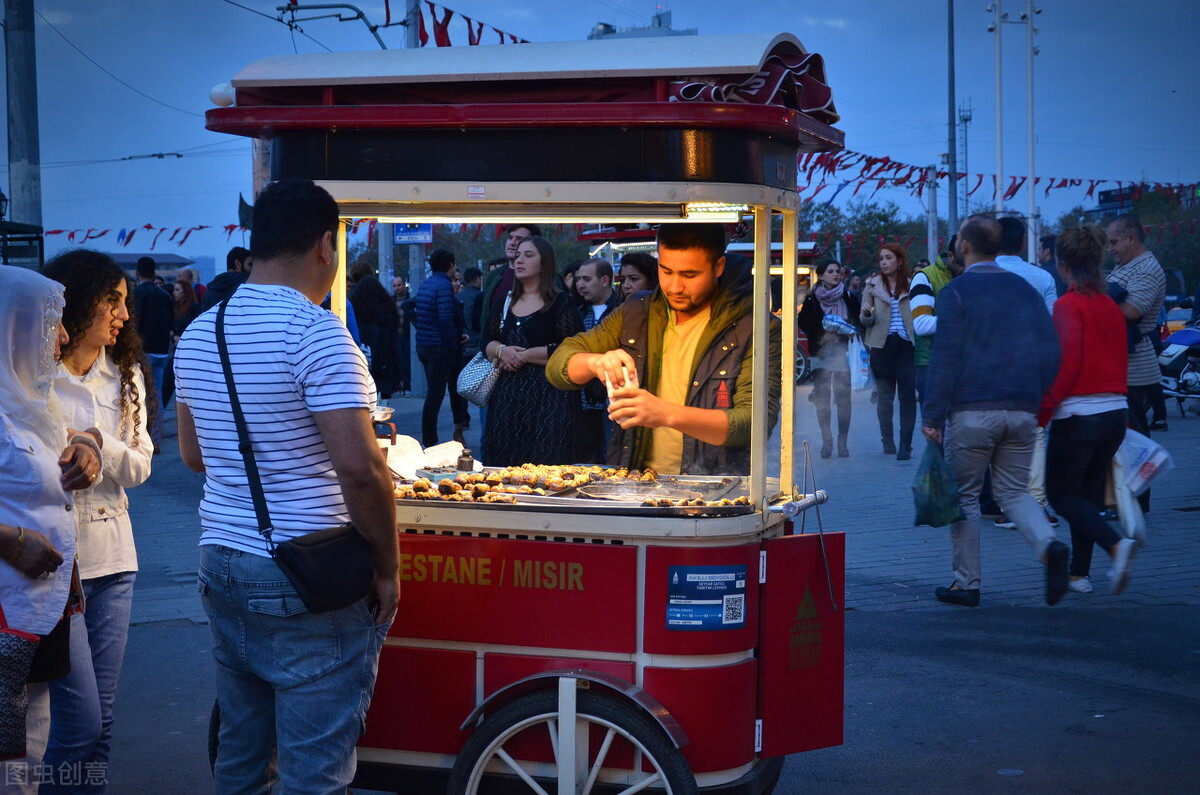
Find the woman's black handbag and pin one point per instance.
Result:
(330, 569)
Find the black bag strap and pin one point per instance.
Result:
(244, 445)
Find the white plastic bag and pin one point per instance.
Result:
(860, 364)
(1144, 461)
(1129, 512)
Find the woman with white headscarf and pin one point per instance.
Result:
(37, 530)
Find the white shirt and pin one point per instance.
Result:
(290, 359)
(105, 543)
(1038, 279)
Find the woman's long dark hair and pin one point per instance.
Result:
(90, 278)
(900, 286)
(546, 287)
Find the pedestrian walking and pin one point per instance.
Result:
(441, 334)
(828, 349)
(994, 356)
(1087, 406)
(889, 335)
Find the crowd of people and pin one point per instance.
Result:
(1027, 379)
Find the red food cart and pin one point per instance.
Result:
(570, 643)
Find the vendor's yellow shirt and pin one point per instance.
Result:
(675, 376)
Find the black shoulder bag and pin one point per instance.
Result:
(330, 569)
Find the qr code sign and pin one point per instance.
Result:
(735, 609)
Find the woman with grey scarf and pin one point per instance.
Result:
(827, 318)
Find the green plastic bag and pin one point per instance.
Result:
(935, 491)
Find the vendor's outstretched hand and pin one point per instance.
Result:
(613, 367)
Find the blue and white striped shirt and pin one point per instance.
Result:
(290, 359)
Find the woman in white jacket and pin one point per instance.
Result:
(101, 386)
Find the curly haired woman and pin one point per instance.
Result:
(100, 385)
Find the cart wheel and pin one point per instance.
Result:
(214, 729)
(602, 723)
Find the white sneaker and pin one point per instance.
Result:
(1082, 585)
(1118, 572)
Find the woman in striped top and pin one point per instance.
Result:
(889, 334)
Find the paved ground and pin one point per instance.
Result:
(1014, 697)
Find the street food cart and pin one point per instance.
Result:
(682, 640)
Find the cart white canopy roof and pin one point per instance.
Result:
(671, 56)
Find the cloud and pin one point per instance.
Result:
(826, 22)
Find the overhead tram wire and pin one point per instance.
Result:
(96, 64)
(292, 26)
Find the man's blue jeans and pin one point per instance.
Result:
(289, 682)
(158, 368)
(81, 703)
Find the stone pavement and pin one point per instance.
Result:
(890, 565)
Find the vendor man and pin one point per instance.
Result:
(685, 407)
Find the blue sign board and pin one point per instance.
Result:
(413, 233)
(706, 597)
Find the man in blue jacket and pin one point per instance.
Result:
(441, 334)
(994, 355)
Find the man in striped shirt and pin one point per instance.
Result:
(1139, 273)
(290, 684)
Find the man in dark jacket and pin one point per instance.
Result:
(686, 347)
(237, 270)
(994, 355)
(156, 321)
(441, 335)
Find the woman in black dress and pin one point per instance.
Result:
(530, 421)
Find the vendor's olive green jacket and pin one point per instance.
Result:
(720, 373)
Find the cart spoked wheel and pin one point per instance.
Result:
(803, 366)
(608, 746)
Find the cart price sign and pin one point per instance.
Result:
(706, 597)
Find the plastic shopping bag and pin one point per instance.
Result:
(1129, 513)
(935, 491)
(1144, 461)
(860, 364)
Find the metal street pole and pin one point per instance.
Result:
(1034, 221)
(24, 150)
(953, 124)
(997, 28)
(931, 221)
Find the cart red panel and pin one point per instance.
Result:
(715, 707)
(428, 695)
(663, 564)
(518, 593)
(802, 650)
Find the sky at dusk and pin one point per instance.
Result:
(1116, 91)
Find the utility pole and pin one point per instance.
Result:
(1034, 222)
(24, 150)
(931, 219)
(964, 118)
(952, 149)
(997, 27)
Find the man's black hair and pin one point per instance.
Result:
(145, 267)
(290, 216)
(534, 229)
(1012, 235)
(604, 268)
(1048, 243)
(441, 260)
(709, 237)
(982, 233)
(471, 274)
(236, 256)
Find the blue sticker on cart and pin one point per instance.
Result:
(706, 597)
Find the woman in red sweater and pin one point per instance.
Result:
(1086, 407)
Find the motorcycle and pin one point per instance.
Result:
(1180, 364)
